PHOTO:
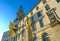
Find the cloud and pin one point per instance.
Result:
(1, 34)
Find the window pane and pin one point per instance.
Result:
(47, 7)
(58, 0)
(41, 23)
(45, 37)
(35, 39)
(39, 14)
(32, 19)
(52, 17)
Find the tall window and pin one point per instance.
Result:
(41, 23)
(35, 39)
(33, 27)
(47, 7)
(58, 0)
(39, 14)
(32, 19)
(51, 16)
(45, 37)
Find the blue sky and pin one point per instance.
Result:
(9, 8)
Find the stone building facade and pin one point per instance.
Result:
(14, 25)
(6, 36)
(42, 23)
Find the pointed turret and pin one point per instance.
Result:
(19, 16)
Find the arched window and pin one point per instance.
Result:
(45, 37)
(37, 8)
(35, 39)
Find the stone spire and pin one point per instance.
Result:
(20, 15)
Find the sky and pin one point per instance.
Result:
(9, 9)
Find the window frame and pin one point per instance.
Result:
(58, 1)
(35, 39)
(45, 37)
(39, 14)
(47, 7)
(52, 12)
(41, 23)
